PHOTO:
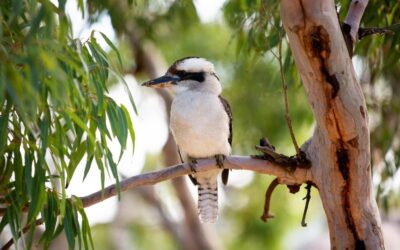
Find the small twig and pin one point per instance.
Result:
(180, 155)
(24, 231)
(285, 94)
(350, 26)
(307, 198)
(266, 215)
(363, 32)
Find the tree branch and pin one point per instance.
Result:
(301, 174)
(285, 95)
(23, 231)
(307, 198)
(298, 176)
(354, 15)
(351, 24)
(363, 32)
(266, 214)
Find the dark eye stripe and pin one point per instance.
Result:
(195, 76)
(199, 77)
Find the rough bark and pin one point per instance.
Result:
(339, 150)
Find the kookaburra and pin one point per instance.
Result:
(201, 123)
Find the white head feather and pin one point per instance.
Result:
(210, 83)
(195, 64)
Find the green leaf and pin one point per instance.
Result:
(88, 165)
(4, 127)
(101, 68)
(127, 90)
(36, 22)
(112, 46)
(52, 107)
(75, 158)
(81, 6)
(44, 133)
(68, 224)
(118, 122)
(76, 225)
(98, 157)
(50, 215)
(18, 173)
(114, 171)
(86, 232)
(81, 124)
(4, 220)
(28, 171)
(38, 194)
(130, 126)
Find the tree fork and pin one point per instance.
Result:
(339, 149)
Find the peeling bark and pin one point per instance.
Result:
(339, 149)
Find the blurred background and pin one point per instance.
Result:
(238, 37)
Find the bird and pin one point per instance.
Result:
(201, 123)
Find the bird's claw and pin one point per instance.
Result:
(220, 160)
(193, 164)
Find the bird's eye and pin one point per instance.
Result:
(181, 74)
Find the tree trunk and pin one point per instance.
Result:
(339, 149)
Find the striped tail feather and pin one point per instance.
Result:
(208, 202)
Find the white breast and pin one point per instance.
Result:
(200, 124)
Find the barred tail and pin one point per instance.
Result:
(208, 202)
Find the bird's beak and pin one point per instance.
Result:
(161, 82)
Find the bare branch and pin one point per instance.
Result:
(301, 174)
(266, 214)
(307, 198)
(363, 32)
(350, 27)
(285, 94)
(354, 15)
(298, 176)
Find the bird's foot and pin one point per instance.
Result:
(192, 164)
(220, 160)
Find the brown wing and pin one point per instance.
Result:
(225, 172)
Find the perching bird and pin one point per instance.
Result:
(201, 123)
